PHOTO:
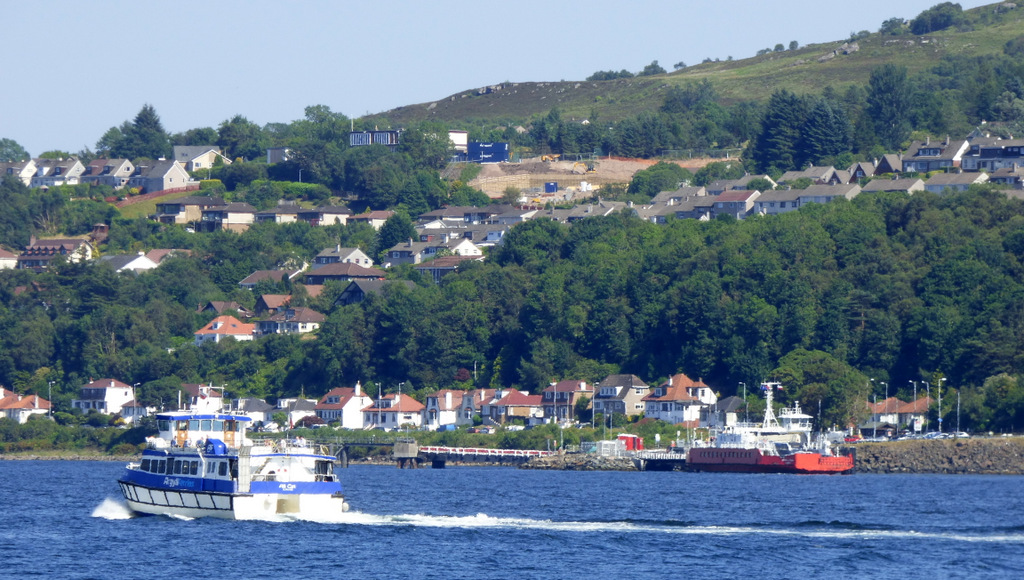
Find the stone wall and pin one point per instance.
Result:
(977, 456)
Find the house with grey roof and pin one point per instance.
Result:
(723, 185)
(160, 175)
(282, 213)
(54, 172)
(777, 201)
(195, 157)
(737, 203)
(134, 263)
(23, 170)
(339, 272)
(185, 210)
(325, 215)
(114, 173)
(39, 253)
(1012, 176)
(620, 395)
(258, 276)
(338, 254)
(443, 265)
(889, 163)
(992, 153)
(903, 185)
(297, 320)
(235, 216)
(941, 182)
(358, 290)
(826, 193)
(817, 174)
(929, 155)
(675, 196)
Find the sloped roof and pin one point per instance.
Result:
(676, 389)
(227, 326)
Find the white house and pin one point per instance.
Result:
(680, 399)
(392, 412)
(442, 408)
(223, 327)
(19, 408)
(106, 396)
(345, 406)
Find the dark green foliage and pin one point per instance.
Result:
(610, 75)
(652, 69)
(938, 17)
(144, 137)
(10, 150)
(718, 170)
(777, 146)
(892, 27)
(888, 105)
(241, 138)
(659, 177)
(397, 229)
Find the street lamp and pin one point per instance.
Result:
(940, 403)
(744, 402)
(958, 412)
(49, 398)
(915, 393)
(886, 406)
(928, 396)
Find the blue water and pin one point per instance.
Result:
(64, 519)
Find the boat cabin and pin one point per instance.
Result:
(186, 429)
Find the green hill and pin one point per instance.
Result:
(808, 69)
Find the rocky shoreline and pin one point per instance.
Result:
(580, 462)
(993, 456)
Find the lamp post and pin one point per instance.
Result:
(915, 394)
(928, 396)
(886, 405)
(398, 417)
(744, 402)
(940, 403)
(49, 398)
(958, 412)
(300, 175)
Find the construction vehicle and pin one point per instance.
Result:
(580, 167)
(551, 157)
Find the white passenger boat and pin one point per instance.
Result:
(203, 464)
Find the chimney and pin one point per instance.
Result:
(927, 140)
(448, 399)
(358, 389)
(338, 249)
(410, 242)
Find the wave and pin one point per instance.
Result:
(808, 529)
(112, 509)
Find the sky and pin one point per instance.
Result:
(75, 69)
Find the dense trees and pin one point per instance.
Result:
(890, 287)
(10, 150)
(143, 137)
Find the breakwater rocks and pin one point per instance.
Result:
(580, 462)
(1003, 456)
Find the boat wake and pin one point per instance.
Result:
(112, 509)
(835, 530)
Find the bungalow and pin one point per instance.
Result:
(297, 410)
(737, 202)
(106, 396)
(297, 320)
(559, 399)
(224, 327)
(451, 215)
(133, 411)
(941, 182)
(890, 163)
(134, 263)
(777, 201)
(884, 414)
(442, 408)
(826, 193)
(326, 215)
(186, 210)
(271, 303)
(817, 174)
(375, 219)
(113, 173)
(444, 265)
(340, 255)
(283, 213)
(342, 273)
(679, 400)
(258, 276)
(678, 195)
(925, 155)
(602, 208)
(1009, 176)
(906, 185)
(19, 408)
(344, 405)
(23, 170)
(39, 253)
(392, 412)
(235, 216)
(914, 413)
(159, 176)
(861, 170)
(723, 185)
(620, 395)
(54, 172)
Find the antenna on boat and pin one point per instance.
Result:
(769, 413)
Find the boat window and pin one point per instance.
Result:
(182, 425)
(193, 425)
(145, 465)
(211, 467)
(177, 467)
(218, 425)
(162, 468)
(206, 424)
(163, 425)
(223, 470)
(195, 468)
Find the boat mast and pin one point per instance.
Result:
(769, 414)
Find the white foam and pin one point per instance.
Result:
(112, 509)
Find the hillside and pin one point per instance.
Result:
(808, 69)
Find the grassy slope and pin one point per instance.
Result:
(753, 78)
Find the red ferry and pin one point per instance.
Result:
(769, 447)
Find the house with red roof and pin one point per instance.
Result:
(222, 327)
(559, 399)
(344, 405)
(442, 408)
(392, 412)
(512, 404)
(106, 396)
(679, 399)
(473, 403)
(19, 408)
